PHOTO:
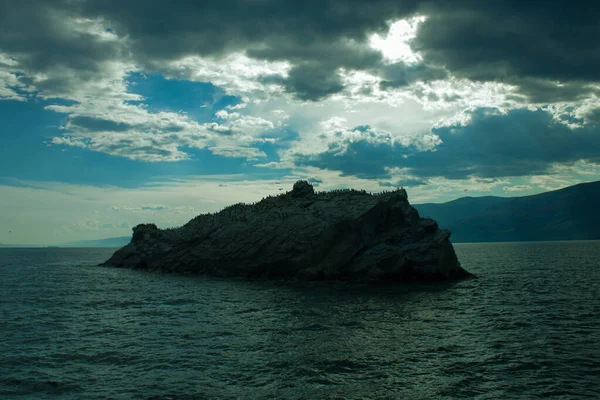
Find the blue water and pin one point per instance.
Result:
(528, 328)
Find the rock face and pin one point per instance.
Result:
(339, 235)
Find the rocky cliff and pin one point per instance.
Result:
(339, 235)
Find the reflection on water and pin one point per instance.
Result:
(527, 328)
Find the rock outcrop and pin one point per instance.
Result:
(338, 235)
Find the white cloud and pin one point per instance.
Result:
(238, 74)
(110, 125)
(460, 94)
(249, 153)
(561, 176)
(276, 165)
(144, 207)
(549, 182)
(9, 83)
(516, 188)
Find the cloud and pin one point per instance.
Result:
(91, 124)
(493, 144)
(408, 182)
(237, 151)
(401, 74)
(132, 145)
(57, 52)
(521, 43)
(268, 27)
(312, 62)
(593, 116)
(10, 87)
(362, 151)
(236, 73)
(317, 69)
(145, 207)
(250, 46)
(56, 35)
(312, 82)
(516, 188)
(118, 128)
(552, 182)
(303, 48)
(90, 225)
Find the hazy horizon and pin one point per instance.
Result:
(150, 220)
(441, 219)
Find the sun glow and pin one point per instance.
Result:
(396, 45)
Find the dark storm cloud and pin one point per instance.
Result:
(593, 116)
(545, 91)
(526, 43)
(519, 143)
(312, 82)
(315, 74)
(273, 29)
(317, 36)
(401, 74)
(337, 52)
(39, 35)
(548, 49)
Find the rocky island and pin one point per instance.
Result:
(338, 235)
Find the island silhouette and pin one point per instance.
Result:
(336, 235)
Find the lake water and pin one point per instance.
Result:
(528, 328)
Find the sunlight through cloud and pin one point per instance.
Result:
(396, 45)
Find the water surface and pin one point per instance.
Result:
(528, 328)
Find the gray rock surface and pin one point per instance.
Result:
(338, 235)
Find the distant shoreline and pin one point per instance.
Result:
(531, 241)
(24, 247)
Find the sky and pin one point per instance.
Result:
(114, 113)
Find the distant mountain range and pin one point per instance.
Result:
(110, 242)
(2, 245)
(572, 213)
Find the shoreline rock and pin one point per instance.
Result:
(346, 235)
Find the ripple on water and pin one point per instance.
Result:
(528, 328)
